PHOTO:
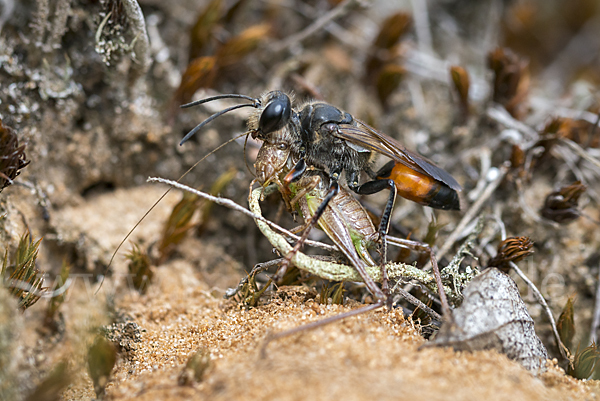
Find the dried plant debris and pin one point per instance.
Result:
(511, 80)
(195, 368)
(562, 206)
(493, 316)
(461, 84)
(178, 225)
(140, 269)
(51, 387)
(381, 69)
(389, 78)
(181, 220)
(512, 249)
(202, 71)
(208, 22)
(102, 357)
(240, 46)
(566, 323)
(21, 277)
(216, 188)
(12, 156)
(202, 31)
(579, 131)
(392, 29)
(517, 162)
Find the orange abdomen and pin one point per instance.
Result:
(421, 188)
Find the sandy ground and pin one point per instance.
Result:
(378, 355)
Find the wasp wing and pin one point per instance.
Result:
(367, 137)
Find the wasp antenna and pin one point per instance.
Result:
(209, 119)
(210, 99)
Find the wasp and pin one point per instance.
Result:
(321, 136)
(326, 137)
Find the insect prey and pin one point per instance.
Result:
(344, 219)
(321, 136)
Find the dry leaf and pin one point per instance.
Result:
(388, 80)
(200, 73)
(511, 80)
(392, 30)
(576, 130)
(460, 79)
(238, 47)
(566, 323)
(201, 32)
(562, 206)
(390, 33)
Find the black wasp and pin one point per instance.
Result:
(325, 137)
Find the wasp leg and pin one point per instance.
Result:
(369, 188)
(296, 172)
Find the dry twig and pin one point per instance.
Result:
(316, 26)
(421, 18)
(234, 206)
(596, 318)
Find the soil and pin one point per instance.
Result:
(95, 99)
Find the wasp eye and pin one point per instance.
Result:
(276, 115)
(282, 146)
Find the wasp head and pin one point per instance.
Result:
(274, 113)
